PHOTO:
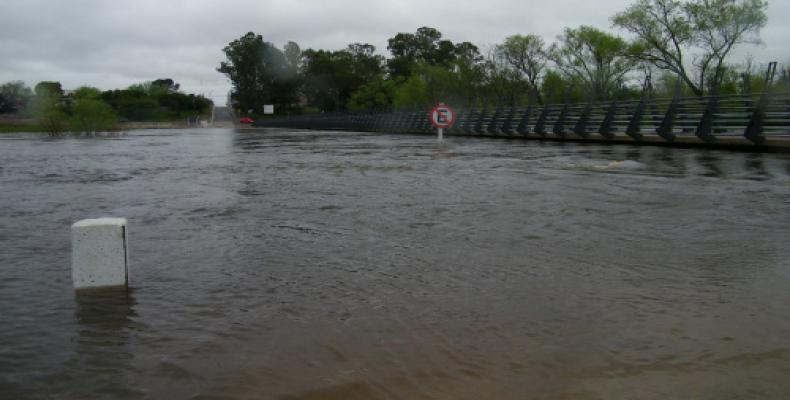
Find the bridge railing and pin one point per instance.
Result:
(707, 118)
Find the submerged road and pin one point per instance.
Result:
(335, 265)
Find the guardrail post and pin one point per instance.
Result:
(605, 129)
(425, 121)
(665, 130)
(559, 124)
(705, 126)
(754, 130)
(467, 126)
(507, 127)
(636, 120)
(480, 119)
(523, 124)
(581, 125)
(494, 120)
(540, 125)
(459, 114)
(400, 121)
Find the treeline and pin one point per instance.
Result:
(88, 109)
(674, 44)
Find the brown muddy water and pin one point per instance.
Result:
(332, 265)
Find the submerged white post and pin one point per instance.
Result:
(99, 253)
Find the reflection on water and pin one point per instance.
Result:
(754, 164)
(711, 164)
(103, 355)
(332, 265)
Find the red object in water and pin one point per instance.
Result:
(246, 120)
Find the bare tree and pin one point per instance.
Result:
(526, 54)
(668, 30)
(595, 60)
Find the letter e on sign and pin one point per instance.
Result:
(442, 116)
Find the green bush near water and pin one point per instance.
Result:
(90, 116)
(88, 110)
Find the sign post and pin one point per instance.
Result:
(442, 116)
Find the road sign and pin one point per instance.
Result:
(442, 116)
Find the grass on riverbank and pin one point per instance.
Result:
(123, 126)
(17, 128)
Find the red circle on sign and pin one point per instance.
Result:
(442, 116)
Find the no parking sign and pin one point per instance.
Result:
(442, 116)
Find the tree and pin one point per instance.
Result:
(413, 93)
(86, 93)
(153, 101)
(377, 93)
(710, 29)
(293, 54)
(260, 74)
(49, 89)
(426, 47)
(525, 54)
(48, 106)
(167, 85)
(90, 115)
(503, 84)
(331, 77)
(430, 84)
(597, 61)
(557, 88)
(14, 96)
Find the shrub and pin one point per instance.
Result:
(90, 116)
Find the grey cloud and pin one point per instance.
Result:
(113, 44)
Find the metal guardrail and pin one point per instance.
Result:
(705, 119)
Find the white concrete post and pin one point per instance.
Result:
(99, 253)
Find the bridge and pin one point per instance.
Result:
(758, 121)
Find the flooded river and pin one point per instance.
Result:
(331, 265)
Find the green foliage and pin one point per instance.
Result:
(426, 47)
(504, 85)
(53, 120)
(86, 92)
(155, 101)
(14, 96)
(585, 64)
(526, 55)
(428, 69)
(557, 88)
(260, 74)
(166, 85)
(377, 94)
(430, 84)
(595, 60)
(413, 93)
(668, 30)
(91, 115)
(23, 127)
(48, 107)
(89, 110)
(331, 77)
(293, 55)
(49, 89)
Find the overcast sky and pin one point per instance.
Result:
(112, 44)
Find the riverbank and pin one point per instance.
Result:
(6, 128)
(30, 126)
(13, 123)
